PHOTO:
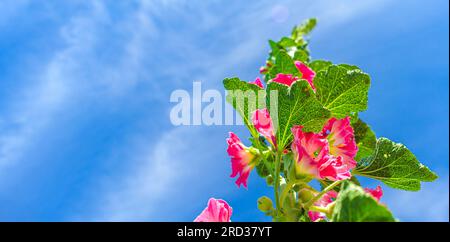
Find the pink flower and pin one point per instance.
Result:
(341, 138)
(263, 124)
(241, 159)
(376, 193)
(286, 79)
(217, 211)
(323, 202)
(334, 169)
(311, 152)
(257, 82)
(307, 73)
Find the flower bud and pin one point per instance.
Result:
(305, 195)
(269, 180)
(265, 204)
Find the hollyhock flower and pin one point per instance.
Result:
(323, 202)
(241, 159)
(341, 138)
(311, 152)
(257, 82)
(263, 124)
(377, 193)
(334, 169)
(217, 211)
(307, 73)
(286, 79)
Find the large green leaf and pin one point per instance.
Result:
(245, 97)
(342, 90)
(365, 139)
(395, 166)
(295, 105)
(353, 204)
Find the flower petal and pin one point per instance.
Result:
(257, 82)
(377, 193)
(341, 137)
(240, 159)
(217, 210)
(307, 73)
(264, 125)
(286, 79)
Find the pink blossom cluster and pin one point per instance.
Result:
(326, 155)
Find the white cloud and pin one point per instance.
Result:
(148, 190)
(158, 180)
(38, 103)
(156, 171)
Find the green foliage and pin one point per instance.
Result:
(355, 205)
(295, 46)
(395, 166)
(303, 29)
(319, 65)
(297, 105)
(283, 64)
(245, 98)
(365, 139)
(342, 91)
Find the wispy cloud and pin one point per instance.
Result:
(38, 104)
(142, 52)
(159, 180)
(137, 193)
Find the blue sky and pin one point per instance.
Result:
(84, 100)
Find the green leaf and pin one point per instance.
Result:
(303, 29)
(349, 67)
(342, 91)
(283, 64)
(365, 139)
(319, 65)
(286, 42)
(295, 105)
(326, 183)
(245, 97)
(353, 204)
(264, 169)
(395, 166)
(275, 48)
(301, 55)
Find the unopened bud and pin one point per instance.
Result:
(269, 180)
(305, 195)
(265, 204)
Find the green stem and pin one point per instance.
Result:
(288, 187)
(277, 181)
(323, 192)
(319, 209)
(285, 192)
